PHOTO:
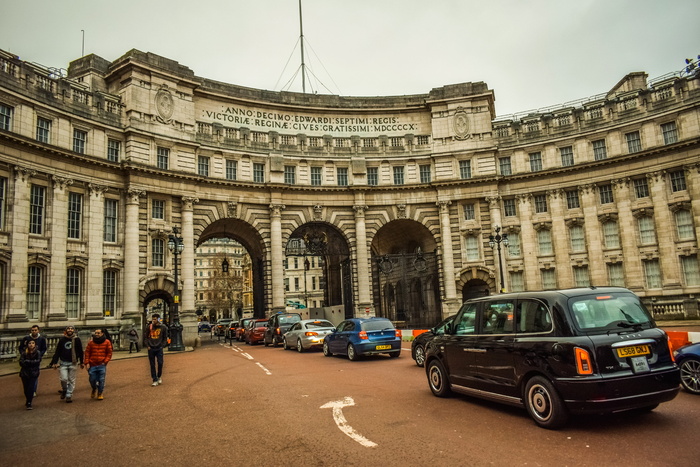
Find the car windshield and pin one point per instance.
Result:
(377, 325)
(289, 319)
(319, 324)
(609, 312)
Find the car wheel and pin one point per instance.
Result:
(438, 380)
(544, 403)
(300, 348)
(265, 341)
(690, 375)
(351, 353)
(419, 356)
(284, 344)
(326, 350)
(395, 354)
(274, 342)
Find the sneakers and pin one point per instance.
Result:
(155, 383)
(99, 397)
(160, 381)
(69, 399)
(94, 394)
(29, 406)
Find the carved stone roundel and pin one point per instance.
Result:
(164, 104)
(460, 121)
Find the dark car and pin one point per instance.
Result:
(586, 350)
(221, 326)
(231, 331)
(240, 329)
(688, 360)
(418, 344)
(357, 337)
(255, 331)
(203, 326)
(278, 324)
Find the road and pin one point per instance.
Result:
(256, 405)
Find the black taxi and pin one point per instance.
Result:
(556, 352)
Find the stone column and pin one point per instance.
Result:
(364, 274)
(560, 238)
(276, 257)
(94, 275)
(626, 227)
(528, 237)
(663, 221)
(594, 242)
(59, 239)
(188, 318)
(19, 243)
(131, 255)
(693, 183)
(451, 302)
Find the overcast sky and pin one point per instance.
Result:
(532, 53)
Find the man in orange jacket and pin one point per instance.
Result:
(97, 354)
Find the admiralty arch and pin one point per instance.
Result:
(404, 198)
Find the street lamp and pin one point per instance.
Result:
(496, 240)
(176, 245)
(306, 294)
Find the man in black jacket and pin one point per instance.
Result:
(155, 339)
(35, 336)
(67, 358)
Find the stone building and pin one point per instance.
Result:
(398, 195)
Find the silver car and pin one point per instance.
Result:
(307, 334)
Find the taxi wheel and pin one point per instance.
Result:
(438, 380)
(544, 404)
(351, 353)
(300, 348)
(326, 350)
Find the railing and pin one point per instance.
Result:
(9, 346)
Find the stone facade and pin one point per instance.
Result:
(98, 164)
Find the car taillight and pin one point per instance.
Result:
(362, 335)
(278, 331)
(310, 333)
(583, 361)
(398, 333)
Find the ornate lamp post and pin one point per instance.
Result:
(496, 240)
(176, 245)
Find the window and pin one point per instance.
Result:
(158, 209)
(606, 194)
(316, 176)
(79, 141)
(3, 197)
(677, 181)
(157, 250)
(535, 162)
(691, 271)
(581, 278)
(290, 174)
(109, 292)
(509, 207)
(259, 173)
(599, 150)
(652, 274)
(549, 279)
(114, 149)
(544, 241)
(634, 142)
(372, 176)
(342, 173)
(567, 156)
(73, 293)
(504, 165)
(368, 142)
(36, 209)
(163, 158)
(34, 291)
(422, 140)
(398, 176)
(647, 233)
(5, 117)
(641, 188)
(572, 200)
(517, 282)
(465, 169)
(396, 141)
(425, 173)
(467, 321)
(231, 169)
(670, 133)
(577, 238)
(43, 130)
(611, 235)
(203, 166)
(684, 224)
(472, 248)
(110, 224)
(616, 276)
(513, 248)
(469, 212)
(75, 213)
(540, 203)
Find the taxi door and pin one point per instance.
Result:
(460, 346)
(494, 362)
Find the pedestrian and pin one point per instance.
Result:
(40, 341)
(105, 332)
(67, 358)
(29, 362)
(98, 353)
(133, 336)
(156, 339)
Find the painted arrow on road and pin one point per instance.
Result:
(339, 418)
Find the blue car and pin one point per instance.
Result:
(357, 337)
(688, 360)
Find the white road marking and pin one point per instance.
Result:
(263, 368)
(339, 418)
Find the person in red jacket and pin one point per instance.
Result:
(97, 355)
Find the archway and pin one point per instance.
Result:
(476, 282)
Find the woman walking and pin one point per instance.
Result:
(29, 362)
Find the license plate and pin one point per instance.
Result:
(382, 347)
(633, 351)
(640, 364)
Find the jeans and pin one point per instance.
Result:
(153, 356)
(67, 372)
(97, 377)
(132, 344)
(29, 385)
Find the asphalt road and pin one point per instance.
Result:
(256, 405)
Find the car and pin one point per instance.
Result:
(241, 328)
(203, 326)
(230, 331)
(556, 352)
(307, 334)
(688, 360)
(278, 324)
(255, 331)
(221, 326)
(357, 337)
(418, 344)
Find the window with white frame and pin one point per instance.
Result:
(158, 209)
(342, 174)
(114, 149)
(34, 291)
(616, 275)
(163, 158)
(549, 279)
(79, 141)
(43, 130)
(578, 238)
(316, 176)
(472, 248)
(290, 174)
(669, 132)
(652, 273)
(504, 166)
(203, 166)
(75, 214)
(540, 203)
(5, 117)
(535, 161)
(73, 293)
(465, 169)
(398, 175)
(157, 252)
(37, 204)
(513, 247)
(581, 276)
(469, 212)
(611, 234)
(647, 232)
(691, 271)
(259, 172)
(109, 292)
(231, 169)
(641, 188)
(600, 152)
(425, 173)
(509, 209)
(677, 181)
(372, 176)
(567, 156)
(110, 220)
(517, 282)
(634, 142)
(684, 224)
(544, 241)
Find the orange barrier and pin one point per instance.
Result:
(418, 332)
(678, 339)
